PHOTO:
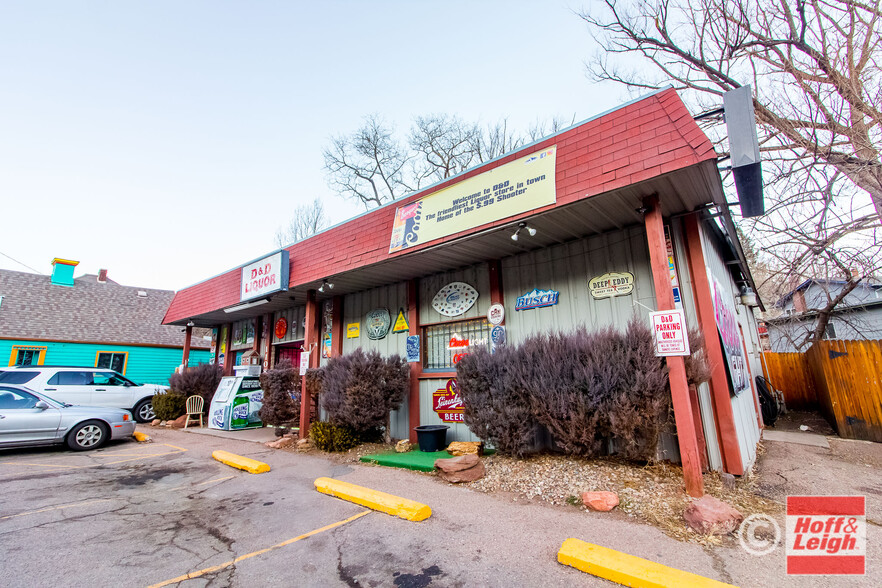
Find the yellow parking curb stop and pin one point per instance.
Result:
(394, 505)
(251, 466)
(625, 569)
(141, 437)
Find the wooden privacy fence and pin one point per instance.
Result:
(790, 373)
(845, 378)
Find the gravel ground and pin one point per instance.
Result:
(652, 494)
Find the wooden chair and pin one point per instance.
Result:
(194, 407)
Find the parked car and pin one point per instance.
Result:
(86, 386)
(29, 418)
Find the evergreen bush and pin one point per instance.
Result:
(281, 395)
(169, 405)
(201, 380)
(328, 437)
(358, 390)
(586, 389)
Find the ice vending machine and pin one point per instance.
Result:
(235, 404)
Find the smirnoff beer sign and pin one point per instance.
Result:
(447, 403)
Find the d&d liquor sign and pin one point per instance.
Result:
(447, 403)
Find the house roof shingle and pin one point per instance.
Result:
(34, 308)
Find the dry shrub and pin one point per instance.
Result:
(358, 390)
(586, 389)
(201, 380)
(494, 407)
(281, 395)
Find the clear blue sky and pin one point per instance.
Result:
(167, 141)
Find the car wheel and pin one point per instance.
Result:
(144, 411)
(88, 435)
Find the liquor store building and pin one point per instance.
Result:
(619, 215)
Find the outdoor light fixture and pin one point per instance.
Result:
(326, 284)
(246, 305)
(642, 210)
(530, 230)
(191, 323)
(748, 297)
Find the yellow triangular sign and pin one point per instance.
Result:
(400, 322)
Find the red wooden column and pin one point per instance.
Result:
(664, 296)
(337, 327)
(188, 335)
(268, 328)
(416, 368)
(495, 272)
(229, 355)
(311, 346)
(719, 384)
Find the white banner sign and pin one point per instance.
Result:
(265, 276)
(304, 362)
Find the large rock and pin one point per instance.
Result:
(403, 446)
(600, 501)
(178, 423)
(281, 443)
(465, 468)
(458, 448)
(710, 516)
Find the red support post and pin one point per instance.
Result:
(188, 336)
(416, 368)
(337, 326)
(228, 354)
(730, 451)
(664, 296)
(268, 335)
(310, 346)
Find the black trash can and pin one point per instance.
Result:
(431, 437)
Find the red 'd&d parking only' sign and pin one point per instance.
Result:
(669, 330)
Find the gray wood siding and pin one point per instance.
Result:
(476, 276)
(567, 268)
(355, 307)
(705, 403)
(746, 425)
(295, 317)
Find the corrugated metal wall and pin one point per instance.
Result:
(478, 277)
(567, 268)
(743, 406)
(295, 317)
(355, 306)
(705, 403)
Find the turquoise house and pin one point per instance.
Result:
(91, 321)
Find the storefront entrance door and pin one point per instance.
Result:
(290, 352)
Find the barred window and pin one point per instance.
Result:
(444, 342)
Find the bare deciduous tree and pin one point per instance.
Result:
(374, 166)
(308, 220)
(814, 66)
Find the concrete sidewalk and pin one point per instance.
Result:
(261, 435)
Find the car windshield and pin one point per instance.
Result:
(48, 399)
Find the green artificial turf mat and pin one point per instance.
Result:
(412, 460)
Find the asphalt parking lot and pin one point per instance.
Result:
(166, 513)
